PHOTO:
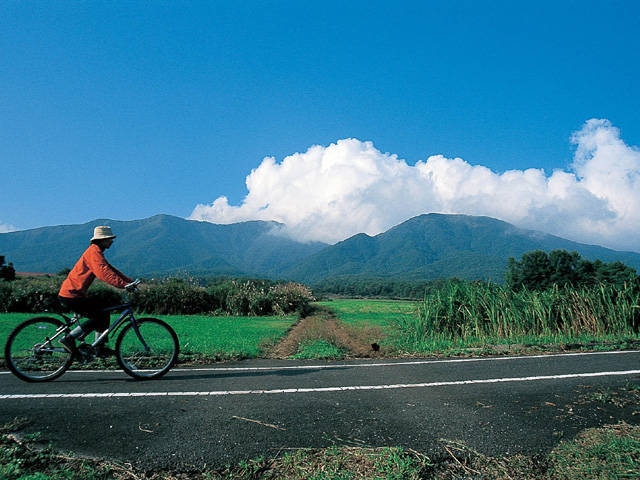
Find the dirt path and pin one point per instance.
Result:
(359, 342)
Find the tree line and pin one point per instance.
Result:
(539, 270)
(536, 271)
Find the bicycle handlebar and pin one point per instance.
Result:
(130, 287)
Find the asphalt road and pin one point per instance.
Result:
(237, 411)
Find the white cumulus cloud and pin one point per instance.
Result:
(6, 228)
(329, 193)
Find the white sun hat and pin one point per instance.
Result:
(102, 233)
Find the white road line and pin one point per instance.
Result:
(315, 390)
(401, 363)
(330, 366)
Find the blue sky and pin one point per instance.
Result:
(333, 117)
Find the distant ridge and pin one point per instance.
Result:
(162, 245)
(425, 247)
(435, 246)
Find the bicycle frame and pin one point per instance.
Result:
(126, 313)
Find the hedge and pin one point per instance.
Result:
(168, 296)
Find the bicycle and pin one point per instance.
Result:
(145, 348)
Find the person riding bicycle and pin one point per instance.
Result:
(73, 291)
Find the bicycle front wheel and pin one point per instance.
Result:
(148, 351)
(33, 352)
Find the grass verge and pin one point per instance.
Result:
(611, 452)
(403, 332)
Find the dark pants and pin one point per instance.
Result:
(90, 308)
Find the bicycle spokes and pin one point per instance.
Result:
(33, 352)
(147, 348)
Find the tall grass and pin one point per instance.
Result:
(464, 311)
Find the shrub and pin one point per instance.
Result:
(172, 296)
(248, 297)
(259, 297)
(34, 294)
(40, 294)
(167, 297)
(5, 294)
(290, 297)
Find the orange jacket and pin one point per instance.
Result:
(91, 264)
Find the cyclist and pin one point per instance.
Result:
(73, 291)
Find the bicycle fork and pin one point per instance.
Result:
(139, 335)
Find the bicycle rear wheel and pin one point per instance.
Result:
(33, 354)
(149, 352)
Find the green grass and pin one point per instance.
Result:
(377, 313)
(228, 337)
(8, 322)
(610, 453)
(383, 315)
(478, 310)
(469, 321)
(318, 349)
(205, 337)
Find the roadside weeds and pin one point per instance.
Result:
(612, 451)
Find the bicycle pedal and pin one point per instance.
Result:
(80, 357)
(86, 353)
(104, 352)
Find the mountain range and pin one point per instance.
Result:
(425, 247)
